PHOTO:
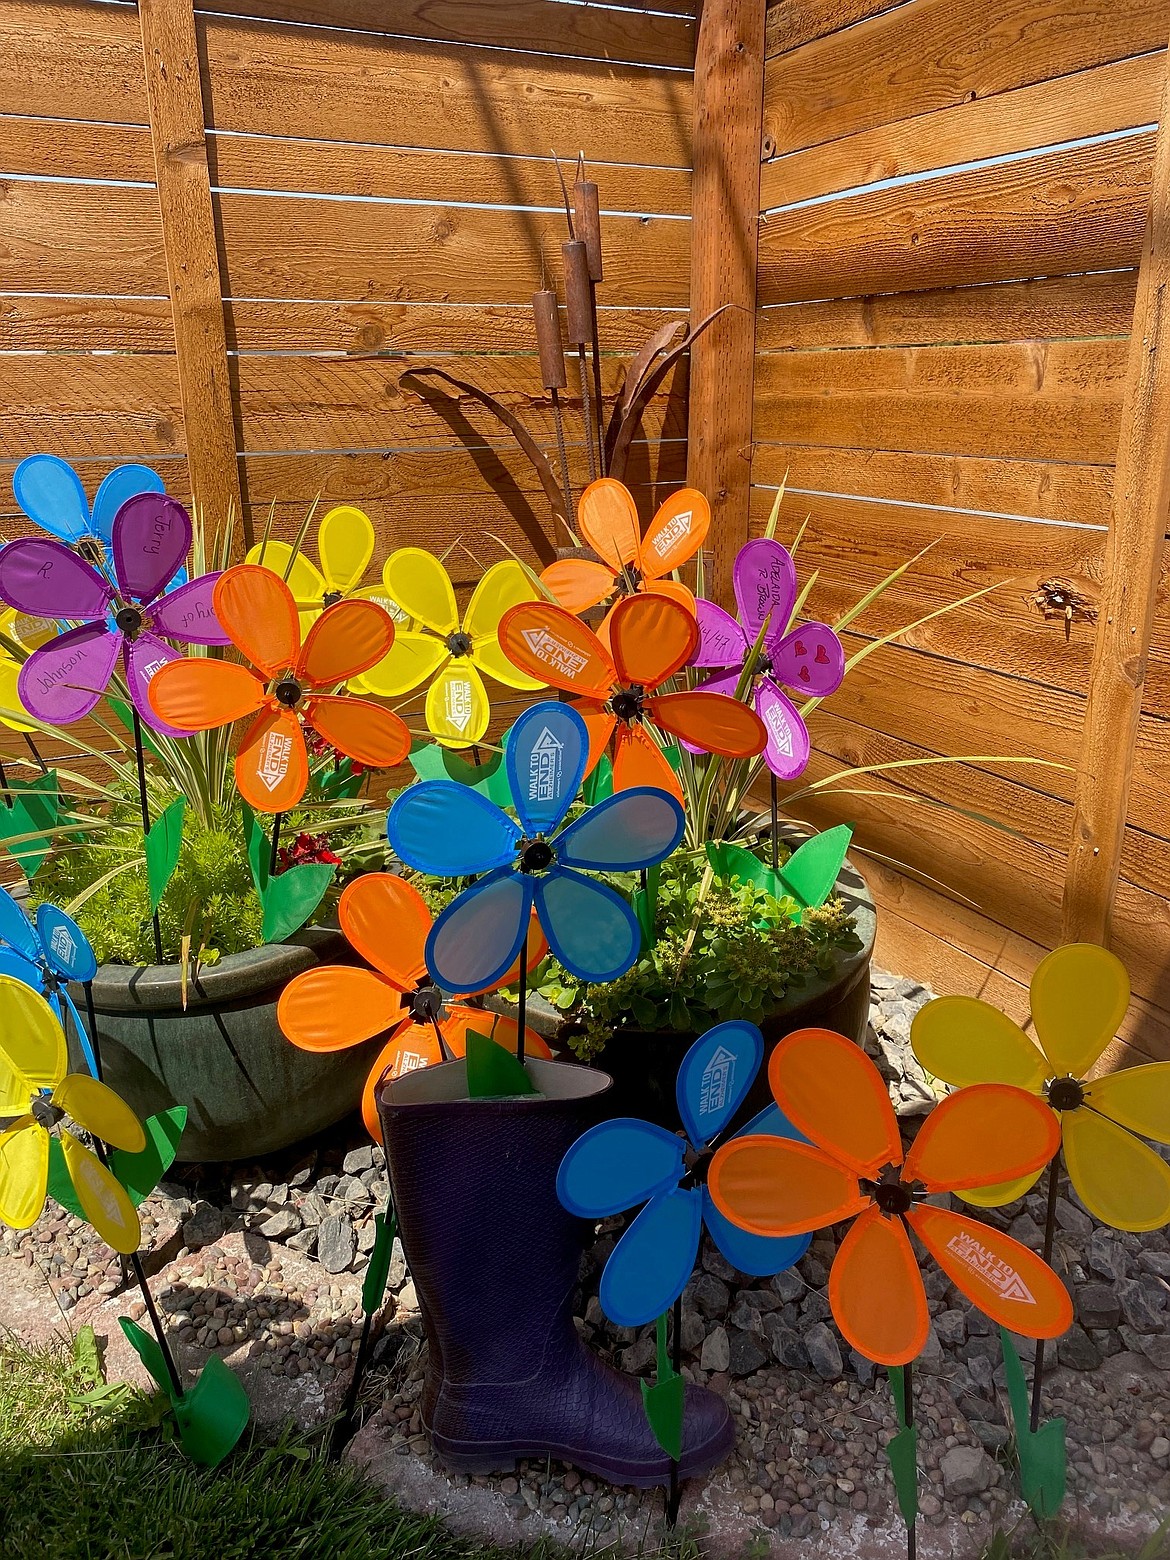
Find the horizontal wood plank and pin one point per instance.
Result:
(81, 238)
(68, 324)
(1092, 102)
(916, 59)
(72, 59)
(789, 23)
(1052, 214)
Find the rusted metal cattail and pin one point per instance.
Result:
(548, 339)
(578, 303)
(587, 223)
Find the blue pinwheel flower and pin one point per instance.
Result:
(448, 830)
(621, 1163)
(46, 954)
(52, 496)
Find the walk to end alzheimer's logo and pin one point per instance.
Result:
(457, 704)
(546, 647)
(63, 944)
(275, 756)
(994, 1271)
(781, 731)
(715, 1084)
(544, 768)
(673, 531)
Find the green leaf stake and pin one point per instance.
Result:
(30, 810)
(211, 1416)
(162, 845)
(139, 1173)
(645, 903)
(1042, 1454)
(432, 762)
(902, 1451)
(598, 783)
(808, 876)
(663, 1400)
(493, 1073)
(287, 898)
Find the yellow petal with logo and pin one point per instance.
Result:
(302, 577)
(24, 1173)
(100, 1111)
(104, 1201)
(411, 659)
(1120, 1179)
(1137, 1098)
(33, 1054)
(457, 708)
(963, 1040)
(9, 695)
(1079, 996)
(381, 597)
(996, 1196)
(345, 545)
(422, 586)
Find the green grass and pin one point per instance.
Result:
(88, 1472)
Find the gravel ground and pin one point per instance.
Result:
(263, 1265)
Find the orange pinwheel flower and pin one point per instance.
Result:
(651, 637)
(608, 520)
(853, 1165)
(258, 613)
(339, 1005)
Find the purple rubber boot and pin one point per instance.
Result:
(494, 1259)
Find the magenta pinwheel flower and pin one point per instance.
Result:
(809, 658)
(63, 680)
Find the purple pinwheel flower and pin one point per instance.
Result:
(809, 659)
(63, 680)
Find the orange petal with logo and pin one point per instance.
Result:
(387, 920)
(346, 640)
(675, 534)
(257, 610)
(336, 1006)
(1008, 1283)
(651, 637)
(638, 760)
(875, 1290)
(272, 764)
(410, 1047)
(197, 694)
(777, 1186)
(599, 723)
(577, 583)
(607, 518)
(549, 643)
(361, 730)
(710, 721)
(831, 1091)
(495, 1026)
(982, 1136)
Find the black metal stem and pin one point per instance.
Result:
(673, 1495)
(522, 1016)
(775, 827)
(587, 412)
(444, 1049)
(140, 756)
(908, 1382)
(35, 751)
(1049, 1238)
(349, 1408)
(275, 852)
(476, 755)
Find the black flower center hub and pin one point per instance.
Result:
(288, 692)
(92, 551)
(535, 855)
(129, 620)
(330, 598)
(890, 1192)
(1065, 1094)
(44, 1112)
(697, 1165)
(459, 644)
(425, 1003)
(627, 703)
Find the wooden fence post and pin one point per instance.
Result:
(1133, 566)
(175, 97)
(725, 218)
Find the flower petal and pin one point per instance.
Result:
(363, 731)
(422, 587)
(198, 694)
(151, 538)
(187, 613)
(832, 1092)
(257, 612)
(809, 659)
(345, 545)
(632, 829)
(1079, 997)
(50, 492)
(100, 1111)
(504, 585)
(775, 1186)
(272, 763)
(651, 638)
(48, 580)
(411, 659)
(1136, 1097)
(33, 1053)
(607, 518)
(675, 534)
(963, 1040)
(143, 659)
(104, 1201)
(122, 483)
(336, 1006)
(759, 1255)
(999, 1194)
(722, 642)
(10, 694)
(764, 576)
(478, 936)
(1008, 1283)
(617, 1165)
(24, 1173)
(303, 578)
(578, 583)
(459, 1021)
(876, 1293)
(347, 639)
(549, 643)
(715, 1076)
(639, 763)
(457, 708)
(600, 725)
(713, 723)
(1120, 1179)
(410, 1047)
(490, 658)
(788, 748)
(545, 755)
(66, 678)
(649, 1267)
(387, 920)
(67, 949)
(449, 830)
(590, 927)
(16, 929)
(981, 1136)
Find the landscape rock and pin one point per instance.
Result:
(966, 1470)
(335, 1243)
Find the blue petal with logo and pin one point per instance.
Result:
(546, 754)
(715, 1077)
(67, 949)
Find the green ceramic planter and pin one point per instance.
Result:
(247, 1090)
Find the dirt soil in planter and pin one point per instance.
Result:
(263, 1265)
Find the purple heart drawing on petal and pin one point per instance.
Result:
(63, 680)
(809, 658)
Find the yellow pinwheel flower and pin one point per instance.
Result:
(36, 1088)
(345, 545)
(452, 654)
(1079, 997)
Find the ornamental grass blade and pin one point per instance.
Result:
(1042, 1454)
(161, 847)
(664, 1401)
(492, 1072)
